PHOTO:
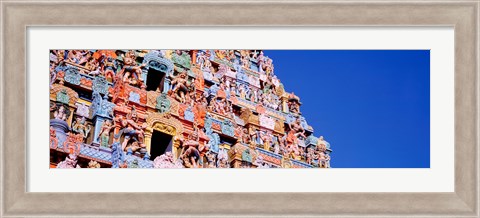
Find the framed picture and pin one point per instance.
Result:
(198, 108)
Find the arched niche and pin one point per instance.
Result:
(156, 71)
(159, 127)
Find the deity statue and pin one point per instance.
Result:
(104, 134)
(296, 126)
(219, 105)
(231, 55)
(81, 127)
(260, 61)
(181, 86)
(245, 60)
(211, 160)
(268, 66)
(93, 164)
(310, 156)
(222, 159)
(267, 140)
(322, 161)
(60, 111)
(222, 70)
(110, 69)
(131, 130)
(190, 153)
(91, 64)
(69, 162)
(134, 147)
(60, 56)
(131, 73)
(245, 136)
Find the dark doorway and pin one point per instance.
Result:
(155, 80)
(160, 144)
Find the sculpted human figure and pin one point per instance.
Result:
(267, 140)
(219, 104)
(91, 64)
(69, 162)
(327, 161)
(60, 113)
(181, 86)
(297, 128)
(131, 72)
(245, 137)
(93, 164)
(110, 68)
(60, 56)
(245, 61)
(322, 159)
(260, 61)
(190, 153)
(80, 126)
(321, 144)
(131, 129)
(310, 156)
(104, 134)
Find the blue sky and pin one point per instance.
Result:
(373, 106)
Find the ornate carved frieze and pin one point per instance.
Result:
(101, 106)
(72, 75)
(155, 60)
(183, 60)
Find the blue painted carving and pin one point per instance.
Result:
(207, 76)
(163, 104)
(101, 154)
(253, 65)
(98, 121)
(100, 85)
(236, 65)
(246, 156)
(289, 118)
(311, 140)
(155, 60)
(134, 97)
(101, 106)
(241, 75)
(214, 141)
(183, 60)
(189, 114)
(227, 128)
(212, 91)
(72, 75)
(62, 96)
(208, 123)
(118, 157)
(303, 123)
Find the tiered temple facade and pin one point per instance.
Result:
(176, 109)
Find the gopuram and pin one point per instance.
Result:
(176, 109)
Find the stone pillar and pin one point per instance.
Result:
(284, 105)
(166, 84)
(61, 129)
(144, 74)
(194, 56)
(147, 140)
